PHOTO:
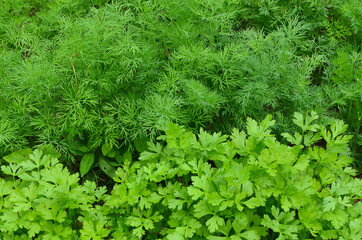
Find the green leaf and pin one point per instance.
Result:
(302, 162)
(93, 230)
(202, 209)
(34, 228)
(140, 143)
(12, 169)
(208, 141)
(112, 153)
(240, 223)
(175, 236)
(5, 188)
(283, 222)
(124, 157)
(338, 217)
(50, 150)
(255, 202)
(134, 221)
(250, 235)
(296, 139)
(176, 203)
(18, 156)
(239, 141)
(338, 127)
(195, 193)
(138, 232)
(311, 138)
(355, 228)
(305, 124)
(329, 234)
(148, 224)
(329, 203)
(262, 130)
(214, 223)
(86, 163)
(106, 147)
(106, 167)
(78, 148)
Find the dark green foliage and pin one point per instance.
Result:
(86, 73)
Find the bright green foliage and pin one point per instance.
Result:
(44, 201)
(208, 187)
(102, 74)
(186, 186)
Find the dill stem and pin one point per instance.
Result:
(75, 74)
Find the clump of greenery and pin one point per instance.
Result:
(186, 186)
(81, 74)
(40, 199)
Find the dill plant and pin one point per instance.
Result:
(86, 73)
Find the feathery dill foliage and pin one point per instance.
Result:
(94, 72)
